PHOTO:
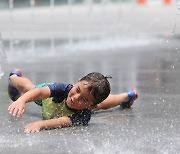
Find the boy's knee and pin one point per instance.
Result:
(12, 77)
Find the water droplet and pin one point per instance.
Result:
(172, 66)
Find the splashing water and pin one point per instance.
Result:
(178, 9)
(3, 60)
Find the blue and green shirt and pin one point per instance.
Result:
(55, 106)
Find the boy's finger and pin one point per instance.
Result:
(22, 112)
(26, 130)
(19, 113)
(15, 112)
(11, 107)
(11, 110)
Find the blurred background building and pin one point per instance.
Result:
(31, 23)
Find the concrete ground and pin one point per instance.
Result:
(150, 126)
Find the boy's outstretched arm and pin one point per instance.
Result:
(124, 99)
(112, 101)
(47, 124)
(17, 108)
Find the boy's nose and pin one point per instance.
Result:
(76, 98)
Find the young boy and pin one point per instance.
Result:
(64, 104)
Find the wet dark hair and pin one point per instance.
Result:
(98, 86)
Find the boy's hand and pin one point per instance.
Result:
(17, 108)
(33, 127)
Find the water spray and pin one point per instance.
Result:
(178, 9)
(3, 60)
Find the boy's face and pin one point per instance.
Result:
(79, 97)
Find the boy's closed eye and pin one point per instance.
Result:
(78, 90)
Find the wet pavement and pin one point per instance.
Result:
(150, 126)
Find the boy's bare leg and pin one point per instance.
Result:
(112, 101)
(22, 84)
